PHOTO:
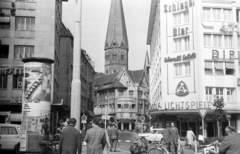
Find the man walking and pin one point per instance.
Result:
(166, 136)
(95, 138)
(70, 141)
(113, 135)
(230, 143)
(173, 138)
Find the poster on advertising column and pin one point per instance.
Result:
(36, 103)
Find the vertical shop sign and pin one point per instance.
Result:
(36, 102)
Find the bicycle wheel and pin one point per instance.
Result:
(155, 151)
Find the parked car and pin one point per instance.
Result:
(155, 135)
(10, 137)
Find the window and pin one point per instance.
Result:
(5, 22)
(230, 94)
(178, 69)
(23, 52)
(216, 14)
(107, 57)
(17, 81)
(218, 68)
(238, 15)
(208, 68)
(122, 56)
(120, 93)
(181, 18)
(217, 40)
(25, 23)
(4, 50)
(229, 68)
(140, 94)
(228, 41)
(187, 68)
(131, 93)
(114, 56)
(3, 81)
(8, 130)
(181, 44)
(126, 106)
(209, 95)
(227, 14)
(238, 41)
(133, 106)
(219, 92)
(206, 13)
(207, 40)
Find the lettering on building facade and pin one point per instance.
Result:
(179, 6)
(216, 55)
(11, 71)
(180, 57)
(16, 100)
(181, 105)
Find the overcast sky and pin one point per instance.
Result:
(95, 14)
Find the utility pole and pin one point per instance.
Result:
(76, 82)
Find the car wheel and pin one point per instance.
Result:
(17, 148)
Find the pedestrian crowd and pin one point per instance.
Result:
(98, 139)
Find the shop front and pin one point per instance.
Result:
(183, 119)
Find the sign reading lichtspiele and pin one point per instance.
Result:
(36, 103)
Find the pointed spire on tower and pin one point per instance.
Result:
(147, 61)
(116, 26)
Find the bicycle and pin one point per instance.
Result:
(158, 149)
(48, 147)
(212, 148)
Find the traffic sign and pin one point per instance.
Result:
(203, 112)
(142, 118)
(84, 117)
(83, 121)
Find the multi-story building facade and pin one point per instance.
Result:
(123, 96)
(194, 52)
(28, 28)
(87, 78)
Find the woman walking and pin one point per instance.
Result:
(190, 137)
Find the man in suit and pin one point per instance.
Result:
(70, 141)
(113, 135)
(166, 136)
(95, 138)
(173, 138)
(230, 144)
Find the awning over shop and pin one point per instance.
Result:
(229, 65)
(15, 117)
(189, 111)
(4, 19)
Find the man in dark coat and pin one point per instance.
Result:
(113, 135)
(173, 138)
(70, 141)
(95, 138)
(166, 137)
(230, 144)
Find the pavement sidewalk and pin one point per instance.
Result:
(185, 151)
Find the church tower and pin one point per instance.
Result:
(116, 44)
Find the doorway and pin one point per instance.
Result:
(184, 127)
(210, 129)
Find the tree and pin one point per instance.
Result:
(219, 111)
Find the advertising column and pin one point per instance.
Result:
(36, 103)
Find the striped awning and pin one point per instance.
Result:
(218, 65)
(4, 19)
(208, 64)
(15, 117)
(229, 65)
